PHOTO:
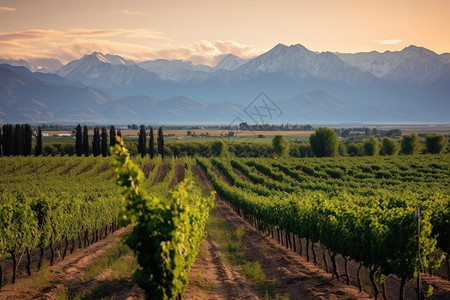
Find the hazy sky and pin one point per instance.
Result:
(202, 31)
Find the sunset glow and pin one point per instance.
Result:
(203, 31)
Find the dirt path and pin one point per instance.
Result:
(212, 276)
(162, 173)
(179, 175)
(70, 273)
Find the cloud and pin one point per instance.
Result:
(129, 12)
(207, 53)
(390, 42)
(5, 8)
(130, 43)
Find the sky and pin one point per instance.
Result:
(204, 31)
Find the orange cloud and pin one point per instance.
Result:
(390, 42)
(5, 8)
(129, 12)
(75, 42)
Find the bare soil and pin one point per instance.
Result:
(70, 273)
(179, 175)
(220, 174)
(146, 169)
(240, 174)
(213, 277)
(162, 173)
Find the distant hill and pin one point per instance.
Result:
(411, 85)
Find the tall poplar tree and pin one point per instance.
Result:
(142, 141)
(96, 142)
(27, 139)
(112, 136)
(78, 141)
(85, 141)
(104, 145)
(151, 143)
(8, 139)
(38, 147)
(160, 141)
(1, 141)
(17, 140)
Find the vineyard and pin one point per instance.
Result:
(362, 209)
(359, 209)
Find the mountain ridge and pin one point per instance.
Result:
(368, 85)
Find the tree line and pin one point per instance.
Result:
(142, 142)
(18, 139)
(100, 145)
(325, 142)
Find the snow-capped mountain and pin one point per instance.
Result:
(409, 85)
(414, 65)
(230, 62)
(46, 65)
(115, 59)
(176, 70)
(297, 63)
(110, 71)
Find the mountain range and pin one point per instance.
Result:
(303, 86)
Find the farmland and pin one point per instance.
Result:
(339, 213)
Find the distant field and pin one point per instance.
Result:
(181, 135)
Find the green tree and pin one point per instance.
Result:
(160, 141)
(104, 143)
(1, 143)
(142, 141)
(389, 147)
(371, 146)
(410, 144)
(27, 134)
(8, 132)
(151, 143)
(78, 141)
(38, 147)
(354, 149)
(96, 142)
(324, 142)
(280, 145)
(342, 149)
(436, 143)
(17, 140)
(85, 141)
(112, 136)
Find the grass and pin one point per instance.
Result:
(120, 263)
(120, 260)
(41, 278)
(234, 251)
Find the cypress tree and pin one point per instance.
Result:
(27, 139)
(142, 141)
(17, 140)
(38, 148)
(85, 141)
(112, 136)
(78, 141)
(160, 141)
(119, 133)
(151, 143)
(96, 142)
(1, 141)
(7, 139)
(104, 147)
